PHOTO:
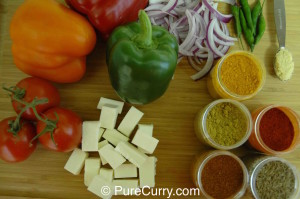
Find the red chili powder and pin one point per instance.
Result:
(276, 130)
(222, 177)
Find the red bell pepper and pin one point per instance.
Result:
(106, 15)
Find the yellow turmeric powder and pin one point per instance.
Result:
(240, 74)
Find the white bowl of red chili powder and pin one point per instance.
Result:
(275, 130)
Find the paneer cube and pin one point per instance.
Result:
(114, 137)
(107, 174)
(113, 158)
(112, 103)
(101, 187)
(108, 117)
(90, 135)
(131, 153)
(144, 141)
(130, 120)
(76, 161)
(126, 171)
(91, 169)
(147, 172)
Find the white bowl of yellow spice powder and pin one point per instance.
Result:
(224, 124)
(239, 75)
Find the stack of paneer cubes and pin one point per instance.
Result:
(121, 162)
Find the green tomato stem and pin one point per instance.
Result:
(16, 91)
(17, 94)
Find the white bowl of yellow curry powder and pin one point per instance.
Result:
(224, 124)
(239, 75)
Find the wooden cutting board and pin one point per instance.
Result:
(43, 176)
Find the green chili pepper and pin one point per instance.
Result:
(260, 29)
(247, 31)
(256, 11)
(235, 10)
(247, 14)
(141, 60)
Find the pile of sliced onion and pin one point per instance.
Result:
(199, 28)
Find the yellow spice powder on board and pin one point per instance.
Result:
(240, 74)
(226, 124)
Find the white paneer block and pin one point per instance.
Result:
(122, 185)
(100, 145)
(108, 117)
(90, 135)
(142, 150)
(114, 137)
(142, 140)
(130, 120)
(147, 172)
(113, 158)
(113, 103)
(126, 171)
(131, 153)
(91, 169)
(146, 128)
(97, 184)
(107, 174)
(101, 131)
(76, 161)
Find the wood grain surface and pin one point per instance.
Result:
(43, 176)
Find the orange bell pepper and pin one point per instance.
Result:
(51, 41)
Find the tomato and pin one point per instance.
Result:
(68, 131)
(39, 88)
(16, 148)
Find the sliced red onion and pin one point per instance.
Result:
(198, 27)
(201, 55)
(220, 16)
(222, 35)
(221, 42)
(192, 61)
(225, 28)
(156, 14)
(232, 2)
(206, 68)
(154, 7)
(157, 1)
(199, 8)
(198, 61)
(206, 17)
(170, 6)
(210, 38)
(202, 27)
(192, 30)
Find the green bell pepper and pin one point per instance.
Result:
(141, 60)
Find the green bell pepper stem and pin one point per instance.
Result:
(144, 39)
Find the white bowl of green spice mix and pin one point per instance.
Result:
(223, 124)
(272, 177)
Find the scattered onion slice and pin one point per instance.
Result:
(199, 28)
(206, 68)
(220, 16)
